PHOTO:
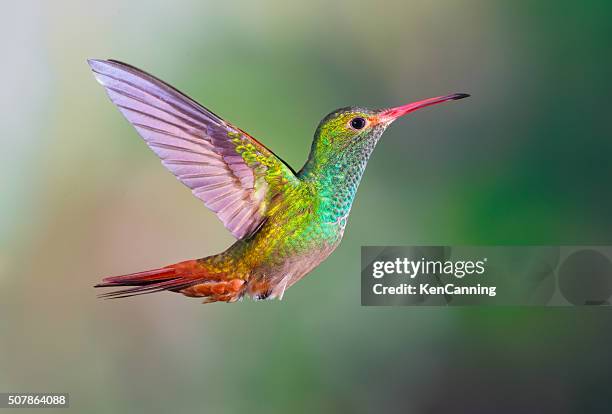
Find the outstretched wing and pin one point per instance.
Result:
(232, 173)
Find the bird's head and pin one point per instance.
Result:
(357, 130)
(347, 126)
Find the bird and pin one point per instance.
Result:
(285, 222)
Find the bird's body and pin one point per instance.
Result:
(304, 228)
(294, 240)
(286, 223)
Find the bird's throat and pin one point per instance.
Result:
(336, 180)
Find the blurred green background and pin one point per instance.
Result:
(525, 160)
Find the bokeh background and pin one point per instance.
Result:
(525, 160)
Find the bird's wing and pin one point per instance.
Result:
(235, 176)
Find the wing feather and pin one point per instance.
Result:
(230, 171)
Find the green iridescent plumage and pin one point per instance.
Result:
(286, 223)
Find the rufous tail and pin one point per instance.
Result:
(190, 278)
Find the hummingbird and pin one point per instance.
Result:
(286, 222)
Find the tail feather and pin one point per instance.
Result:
(190, 278)
(174, 277)
(172, 284)
(148, 276)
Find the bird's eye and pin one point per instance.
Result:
(358, 123)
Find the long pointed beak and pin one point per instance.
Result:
(391, 114)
